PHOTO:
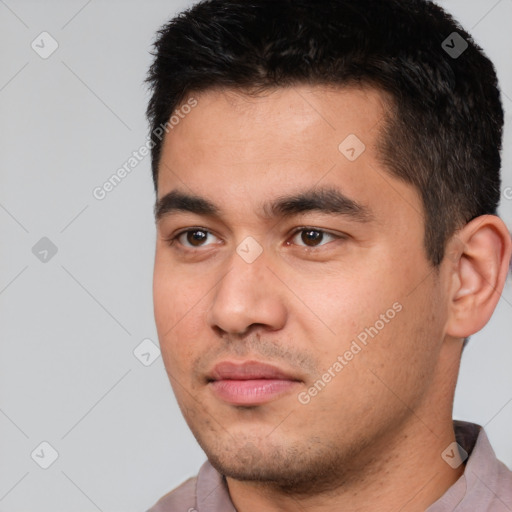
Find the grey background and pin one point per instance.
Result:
(69, 326)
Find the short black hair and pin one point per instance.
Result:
(443, 129)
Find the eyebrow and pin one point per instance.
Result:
(324, 200)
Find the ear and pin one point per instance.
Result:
(480, 255)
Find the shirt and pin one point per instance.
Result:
(485, 485)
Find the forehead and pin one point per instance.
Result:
(232, 145)
(231, 119)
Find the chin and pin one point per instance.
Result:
(296, 469)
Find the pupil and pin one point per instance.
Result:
(196, 236)
(311, 236)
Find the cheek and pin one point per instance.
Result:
(371, 305)
(174, 294)
(404, 347)
(343, 304)
(177, 310)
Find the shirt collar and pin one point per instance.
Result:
(474, 489)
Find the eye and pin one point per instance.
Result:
(191, 238)
(312, 237)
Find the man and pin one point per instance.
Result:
(327, 177)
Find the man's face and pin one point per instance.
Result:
(347, 312)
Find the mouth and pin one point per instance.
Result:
(250, 383)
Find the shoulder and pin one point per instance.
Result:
(208, 489)
(182, 499)
(502, 489)
(488, 480)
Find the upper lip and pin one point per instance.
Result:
(247, 370)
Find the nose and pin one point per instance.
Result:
(248, 294)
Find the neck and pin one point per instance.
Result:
(403, 471)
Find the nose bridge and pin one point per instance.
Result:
(246, 294)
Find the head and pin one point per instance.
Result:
(350, 119)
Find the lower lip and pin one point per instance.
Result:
(251, 392)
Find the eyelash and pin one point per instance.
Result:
(171, 240)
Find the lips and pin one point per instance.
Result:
(248, 370)
(250, 382)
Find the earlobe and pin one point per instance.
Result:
(478, 275)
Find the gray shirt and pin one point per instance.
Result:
(485, 486)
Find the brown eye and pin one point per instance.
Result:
(193, 238)
(312, 237)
